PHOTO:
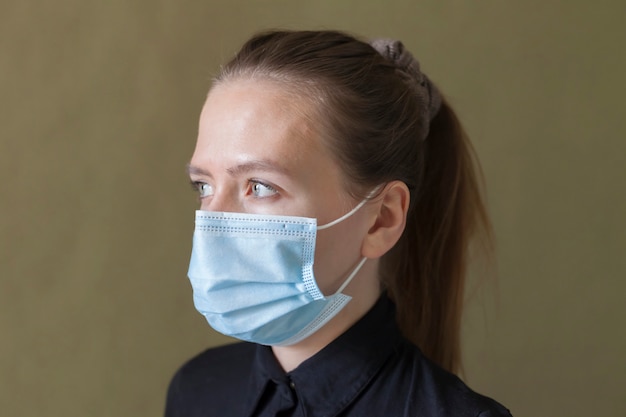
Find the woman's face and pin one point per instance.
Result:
(257, 153)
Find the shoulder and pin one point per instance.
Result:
(212, 377)
(441, 393)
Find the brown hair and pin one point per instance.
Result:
(374, 122)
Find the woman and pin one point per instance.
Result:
(315, 146)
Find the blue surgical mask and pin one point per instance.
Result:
(252, 276)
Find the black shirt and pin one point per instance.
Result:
(370, 370)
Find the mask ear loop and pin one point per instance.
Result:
(352, 275)
(342, 218)
(345, 216)
(351, 212)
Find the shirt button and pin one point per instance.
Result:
(292, 385)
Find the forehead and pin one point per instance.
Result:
(256, 108)
(250, 119)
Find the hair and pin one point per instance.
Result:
(374, 121)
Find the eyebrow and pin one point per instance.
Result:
(254, 165)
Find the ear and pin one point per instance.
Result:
(391, 208)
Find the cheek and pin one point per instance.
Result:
(337, 252)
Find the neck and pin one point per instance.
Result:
(364, 296)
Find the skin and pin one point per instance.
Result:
(256, 153)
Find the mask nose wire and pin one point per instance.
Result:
(351, 212)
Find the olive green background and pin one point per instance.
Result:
(98, 117)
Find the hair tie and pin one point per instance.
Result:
(394, 51)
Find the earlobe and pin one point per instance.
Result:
(392, 206)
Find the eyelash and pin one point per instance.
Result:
(253, 182)
(197, 186)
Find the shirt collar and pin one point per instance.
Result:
(330, 380)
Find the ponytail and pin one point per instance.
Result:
(425, 272)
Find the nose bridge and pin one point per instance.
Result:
(223, 199)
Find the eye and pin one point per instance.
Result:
(203, 189)
(262, 190)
